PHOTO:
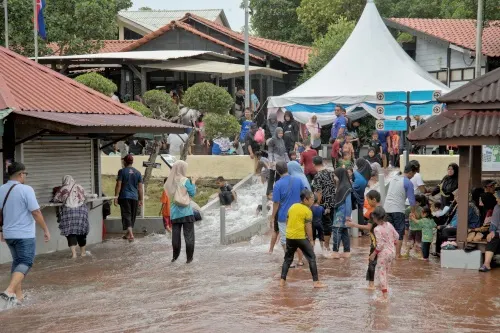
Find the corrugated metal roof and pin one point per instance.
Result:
(459, 124)
(108, 46)
(153, 20)
(457, 31)
(484, 89)
(101, 120)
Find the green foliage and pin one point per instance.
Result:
(326, 47)
(207, 97)
(366, 128)
(74, 26)
(220, 126)
(277, 19)
(97, 82)
(145, 8)
(405, 37)
(161, 104)
(139, 107)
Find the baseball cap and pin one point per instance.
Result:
(128, 159)
(15, 167)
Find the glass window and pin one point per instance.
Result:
(468, 74)
(456, 75)
(442, 76)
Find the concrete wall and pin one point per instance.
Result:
(432, 167)
(58, 242)
(146, 225)
(231, 167)
(260, 227)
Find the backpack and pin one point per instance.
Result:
(181, 195)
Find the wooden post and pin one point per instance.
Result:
(476, 165)
(144, 81)
(464, 177)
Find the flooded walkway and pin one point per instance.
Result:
(134, 288)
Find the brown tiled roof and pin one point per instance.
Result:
(485, 89)
(293, 52)
(459, 32)
(108, 46)
(459, 124)
(177, 24)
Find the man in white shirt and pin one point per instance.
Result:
(176, 142)
(416, 180)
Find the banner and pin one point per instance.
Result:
(491, 158)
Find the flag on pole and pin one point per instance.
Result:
(39, 19)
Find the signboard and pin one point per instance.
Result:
(149, 164)
(168, 159)
(425, 95)
(391, 110)
(390, 125)
(392, 96)
(491, 158)
(430, 109)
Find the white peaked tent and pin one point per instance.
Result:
(371, 60)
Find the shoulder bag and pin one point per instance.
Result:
(181, 195)
(3, 206)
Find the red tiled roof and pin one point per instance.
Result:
(108, 46)
(28, 86)
(177, 24)
(293, 52)
(459, 32)
(459, 124)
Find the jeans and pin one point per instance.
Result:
(282, 230)
(341, 234)
(291, 246)
(23, 254)
(426, 247)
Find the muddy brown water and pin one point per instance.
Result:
(126, 287)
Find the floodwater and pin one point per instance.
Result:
(133, 287)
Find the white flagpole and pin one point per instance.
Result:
(6, 16)
(35, 30)
(247, 59)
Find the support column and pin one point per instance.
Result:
(261, 90)
(476, 165)
(123, 82)
(144, 81)
(464, 177)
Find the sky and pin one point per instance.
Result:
(235, 15)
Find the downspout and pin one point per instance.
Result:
(448, 65)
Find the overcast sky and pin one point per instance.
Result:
(235, 15)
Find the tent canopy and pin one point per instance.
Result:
(371, 60)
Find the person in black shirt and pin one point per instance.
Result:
(226, 194)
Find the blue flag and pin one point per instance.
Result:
(39, 19)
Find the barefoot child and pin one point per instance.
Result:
(346, 161)
(427, 224)
(372, 200)
(385, 251)
(299, 236)
(226, 194)
(415, 234)
(165, 210)
(317, 224)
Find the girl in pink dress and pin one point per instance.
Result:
(385, 251)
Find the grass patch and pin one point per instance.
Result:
(204, 190)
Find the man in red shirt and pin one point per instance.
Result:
(306, 159)
(336, 148)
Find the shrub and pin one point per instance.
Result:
(97, 82)
(218, 126)
(139, 107)
(161, 104)
(207, 97)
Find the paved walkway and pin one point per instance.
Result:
(134, 288)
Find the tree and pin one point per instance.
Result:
(207, 97)
(277, 19)
(97, 82)
(161, 104)
(139, 107)
(327, 46)
(145, 8)
(73, 26)
(221, 126)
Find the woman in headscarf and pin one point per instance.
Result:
(295, 170)
(277, 153)
(343, 210)
(448, 185)
(314, 132)
(271, 125)
(362, 175)
(73, 214)
(181, 215)
(291, 131)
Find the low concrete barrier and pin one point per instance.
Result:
(432, 167)
(146, 225)
(243, 235)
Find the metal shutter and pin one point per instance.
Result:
(48, 161)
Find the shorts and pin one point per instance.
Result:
(327, 224)
(415, 236)
(317, 230)
(282, 230)
(23, 254)
(492, 245)
(398, 222)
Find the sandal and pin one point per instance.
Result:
(484, 269)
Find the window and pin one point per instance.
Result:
(456, 75)
(468, 74)
(443, 76)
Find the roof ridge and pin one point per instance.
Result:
(63, 78)
(281, 42)
(170, 10)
